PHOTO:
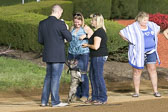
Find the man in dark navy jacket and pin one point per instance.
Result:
(52, 34)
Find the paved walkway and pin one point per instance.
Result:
(21, 102)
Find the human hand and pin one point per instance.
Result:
(84, 45)
(165, 33)
(65, 24)
(65, 41)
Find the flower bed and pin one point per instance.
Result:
(160, 19)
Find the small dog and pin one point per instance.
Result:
(75, 78)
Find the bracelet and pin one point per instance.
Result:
(86, 35)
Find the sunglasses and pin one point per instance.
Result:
(77, 14)
(96, 14)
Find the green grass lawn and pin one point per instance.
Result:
(23, 74)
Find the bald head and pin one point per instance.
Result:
(57, 11)
(56, 8)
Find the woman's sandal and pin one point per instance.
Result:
(99, 103)
(90, 101)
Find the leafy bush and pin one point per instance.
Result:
(18, 24)
(19, 27)
(115, 42)
(67, 14)
(13, 2)
(117, 47)
(87, 7)
(125, 9)
(153, 6)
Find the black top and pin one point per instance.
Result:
(51, 34)
(102, 50)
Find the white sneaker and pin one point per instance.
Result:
(60, 105)
(44, 105)
(157, 94)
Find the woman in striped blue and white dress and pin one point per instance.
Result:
(142, 38)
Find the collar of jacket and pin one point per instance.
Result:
(53, 17)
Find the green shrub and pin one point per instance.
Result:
(87, 7)
(114, 42)
(19, 24)
(13, 2)
(19, 28)
(125, 9)
(153, 6)
(67, 14)
(117, 47)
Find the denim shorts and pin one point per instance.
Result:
(150, 58)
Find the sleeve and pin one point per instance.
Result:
(157, 28)
(154, 26)
(99, 33)
(124, 32)
(130, 32)
(40, 37)
(65, 33)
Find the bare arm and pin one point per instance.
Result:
(166, 33)
(89, 32)
(123, 37)
(96, 45)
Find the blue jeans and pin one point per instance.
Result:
(51, 83)
(83, 88)
(99, 92)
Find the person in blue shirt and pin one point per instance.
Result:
(142, 38)
(80, 34)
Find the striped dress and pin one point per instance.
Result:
(135, 36)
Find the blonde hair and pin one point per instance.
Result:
(99, 20)
(141, 15)
(79, 16)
